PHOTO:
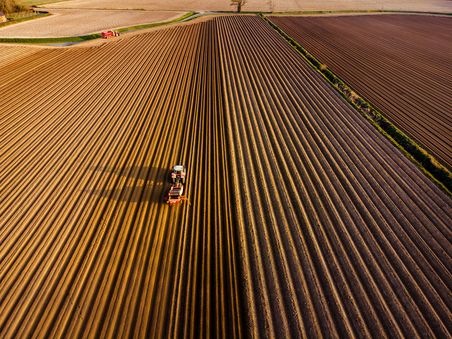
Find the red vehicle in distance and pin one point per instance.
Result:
(109, 34)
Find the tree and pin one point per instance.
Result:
(10, 6)
(238, 3)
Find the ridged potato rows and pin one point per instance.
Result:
(302, 220)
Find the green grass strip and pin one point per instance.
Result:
(51, 40)
(81, 38)
(426, 162)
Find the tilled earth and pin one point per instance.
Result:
(302, 220)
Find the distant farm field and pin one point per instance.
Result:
(264, 5)
(400, 63)
(39, 2)
(72, 22)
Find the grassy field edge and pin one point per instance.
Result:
(417, 154)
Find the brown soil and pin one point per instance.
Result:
(10, 53)
(88, 136)
(339, 234)
(302, 221)
(444, 6)
(71, 22)
(400, 63)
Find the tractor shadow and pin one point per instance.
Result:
(132, 183)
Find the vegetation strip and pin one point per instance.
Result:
(418, 155)
(81, 38)
(156, 24)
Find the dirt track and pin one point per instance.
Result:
(400, 63)
(303, 220)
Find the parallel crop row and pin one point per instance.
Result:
(302, 220)
(87, 138)
(9, 54)
(400, 63)
(339, 234)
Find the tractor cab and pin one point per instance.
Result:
(178, 174)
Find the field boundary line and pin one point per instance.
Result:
(417, 154)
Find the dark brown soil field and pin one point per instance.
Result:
(339, 234)
(400, 63)
(302, 220)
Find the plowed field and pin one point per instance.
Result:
(70, 22)
(443, 6)
(338, 233)
(87, 137)
(400, 63)
(302, 220)
(10, 53)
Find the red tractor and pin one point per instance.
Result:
(175, 194)
(109, 34)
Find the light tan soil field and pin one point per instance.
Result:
(69, 22)
(264, 5)
(402, 64)
(11, 53)
(185, 5)
(302, 221)
(81, 196)
(442, 6)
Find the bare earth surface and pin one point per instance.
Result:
(80, 17)
(264, 5)
(10, 53)
(186, 5)
(87, 139)
(400, 63)
(70, 22)
(302, 221)
(339, 234)
(443, 6)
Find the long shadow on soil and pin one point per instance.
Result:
(133, 183)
